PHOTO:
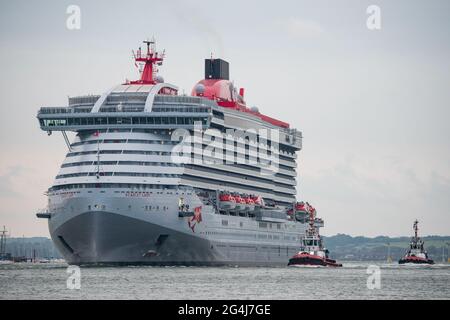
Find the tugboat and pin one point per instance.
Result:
(312, 252)
(416, 253)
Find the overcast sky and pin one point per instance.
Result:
(373, 105)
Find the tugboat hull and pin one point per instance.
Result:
(415, 261)
(310, 260)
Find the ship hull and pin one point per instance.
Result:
(111, 238)
(96, 238)
(308, 260)
(415, 261)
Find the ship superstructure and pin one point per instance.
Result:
(160, 178)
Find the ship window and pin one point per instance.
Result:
(126, 120)
(112, 120)
(100, 121)
(224, 222)
(263, 225)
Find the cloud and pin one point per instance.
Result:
(7, 181)
(303, 28)
(372, 197)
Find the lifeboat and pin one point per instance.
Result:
(250, 204)
(300, 207)
(258, 201)
(227, 201)
(240, 203)
(301, 211)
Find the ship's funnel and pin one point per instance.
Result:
(216, 69)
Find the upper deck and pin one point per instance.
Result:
(121, 110)
(150, 103)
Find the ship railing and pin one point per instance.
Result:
(59, 110)
(43, 214)
(181, 109)
(119, 108)
(184, 100)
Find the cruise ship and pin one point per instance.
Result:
(161, 178)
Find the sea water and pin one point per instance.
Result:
(355, 280)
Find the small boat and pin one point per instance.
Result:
(416, 253)
(240, 203)
(258, 201)
(227, 201)
(312, 252)
(301, 211)
(250, 203)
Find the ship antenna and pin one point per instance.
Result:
(148, 60)
(312, 228)
(416, 228)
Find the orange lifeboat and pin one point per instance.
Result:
(250, 204)
(301, 207)
(227, 201)
(258, 201)
(301, 211)
(240, 203)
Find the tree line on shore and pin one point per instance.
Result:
(341, 246)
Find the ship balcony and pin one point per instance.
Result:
(43, 214)
(60, 119)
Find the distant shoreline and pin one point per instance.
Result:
(341, 246)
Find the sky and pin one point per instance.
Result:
(373, 105)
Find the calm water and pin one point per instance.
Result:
(48, 281)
